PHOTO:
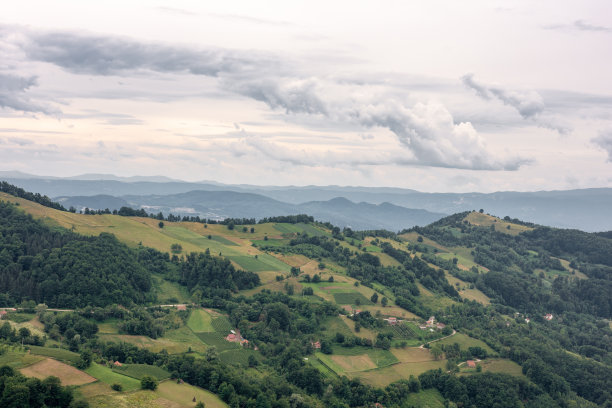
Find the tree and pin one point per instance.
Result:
(148, 383)
(436, 352)
(374, 298)
(176, 248)
(384, 301)
(231, 225)
(316, 279)
(117, 387)
(161, 224)
(200, 404)
(211, 353)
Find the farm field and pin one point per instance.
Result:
(183, 394)
(67, 374)
(466, 341)
(200, 321)
(429, 398)
(174, 341)
(498, 365)
(108, 376)
(384, 376)
(138, 371)
(18, 359)
(56, 353)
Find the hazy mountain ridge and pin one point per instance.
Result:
(585, 209)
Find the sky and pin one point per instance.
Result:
(437, 96)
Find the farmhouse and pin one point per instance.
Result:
(316, 344)
(181, 307)
(431, 321)
(3, 314)
(232, 337)
(440, 325)
(392, 321)
(117, 364)
(548, 317)
(471, 364)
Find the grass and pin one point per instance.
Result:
(350, 298)
(108, 376)
(217, 340)
(238, 356)
(326, 371)
(138, 371)
(385, 376)
(465, 342)
(381, 358)
(429, 398)
(19, 317)
(109, 326)
(200, 321)
(67, 374)
(18, 359)
(373, 248)
(56, 353)
(183, 395)
(167, 290)
(485, 220)
(222, 325)
(497, 365)
(174, 341)
(252, 264)
(223, 240)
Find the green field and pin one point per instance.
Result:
(170, 292)
(108, 376)
(429, 398)
(56, 353)
(222, 325)
(223, 240)
(217, 340)
(138, 371)
(19, 317)
(238, 356)
(263, 262)
(200, 321)
(350, 298)
(381, 357)
(18, 359)
(465, 342)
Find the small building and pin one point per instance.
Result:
(392, 321)
(231, 337)
(431, 322)
(548, 317)
(181, 307)
(440, 326)
(316, 345)
(471, 364)
(527, 320)
(3, 314)
(117, 364)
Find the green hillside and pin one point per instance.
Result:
(313, 306)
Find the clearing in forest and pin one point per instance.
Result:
(67, 374)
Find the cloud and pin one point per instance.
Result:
(579, 25)
(529, 104)
(604, 141)
(426, 130)
(13, 95)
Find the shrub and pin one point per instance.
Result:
(148, 383)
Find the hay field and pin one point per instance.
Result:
(67, 374)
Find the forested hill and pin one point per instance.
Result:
(67, 270)
(64, 269)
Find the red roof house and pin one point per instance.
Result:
(316, 344)
(471, 364)
(392, 321)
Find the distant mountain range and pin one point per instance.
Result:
(358, 207)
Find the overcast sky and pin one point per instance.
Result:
(435, 96)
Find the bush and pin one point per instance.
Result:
(148, 383)
(117, 387)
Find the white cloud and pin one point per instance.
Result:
(529, 104)
(604, 141)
